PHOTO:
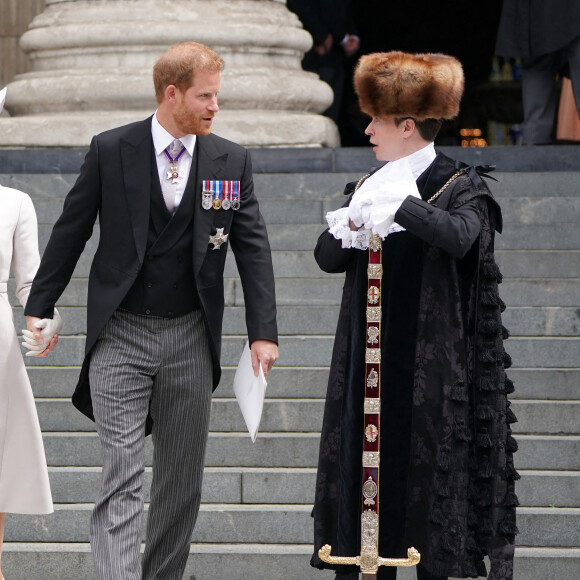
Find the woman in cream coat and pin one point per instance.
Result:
(24, 486)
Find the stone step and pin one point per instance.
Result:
(299, 319)
(539, 263)
(305, 416)
(514, 292)
(301, 264)
(527, 237)
(63, 449)
(565, 236)
(545, 384)
(316, 351)
(224, 450)
(542, 321)
(549, 488)
(546, 210)
(295, 486)
(257, 561)
(50, 187)
(235, 485)
(278, 416)
(47, 187)
(294, 208)
(228, 523)
(328, 291)
(533, 184)
(269, 523)
(286, 382)
(546, 417)
(311, 382)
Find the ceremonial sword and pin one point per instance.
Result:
(369, 559)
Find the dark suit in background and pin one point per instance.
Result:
(546, 35)
(328, 21)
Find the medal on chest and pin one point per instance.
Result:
(173, 175)
(220, 195)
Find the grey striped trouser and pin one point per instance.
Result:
(142, 362)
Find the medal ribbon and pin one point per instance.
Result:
(173, 160)
(225, 194)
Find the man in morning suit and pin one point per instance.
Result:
(155, 305)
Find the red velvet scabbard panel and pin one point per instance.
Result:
(372, 407)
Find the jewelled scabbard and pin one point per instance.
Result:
(369, 559)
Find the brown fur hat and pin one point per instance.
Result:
(421, 86)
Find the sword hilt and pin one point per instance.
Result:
(369, 562)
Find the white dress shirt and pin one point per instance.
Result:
(161, 140)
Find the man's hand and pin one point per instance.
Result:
(41, 335)
(351, 45)
(265, 352)
(325, 46)
(353, 227)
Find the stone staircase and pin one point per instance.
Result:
(255, 516)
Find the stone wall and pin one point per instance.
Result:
(15, 16)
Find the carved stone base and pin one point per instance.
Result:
(92, 66)
(255, 129)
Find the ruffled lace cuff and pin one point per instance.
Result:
(338, 226)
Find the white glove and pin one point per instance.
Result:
(48, 327)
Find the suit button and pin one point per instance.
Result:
(169, 313)
(147, 311)
(150, 257)
(149, 285)
(175, 286)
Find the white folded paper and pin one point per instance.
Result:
(250, 391)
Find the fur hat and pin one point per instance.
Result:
(421, 86)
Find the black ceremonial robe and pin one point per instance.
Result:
(446, 482)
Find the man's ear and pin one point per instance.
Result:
(171, 94)
(409, 127)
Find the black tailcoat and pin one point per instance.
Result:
(114, 186)
(532, 28)
(446, 483)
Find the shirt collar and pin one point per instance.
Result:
(162, 138)
(420, 160)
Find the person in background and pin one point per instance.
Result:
(24, 484)
(546, 35)
(335, 39)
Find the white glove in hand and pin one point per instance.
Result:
(48, 328)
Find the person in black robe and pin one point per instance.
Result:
(446, 482)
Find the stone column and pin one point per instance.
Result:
(15, 16)
(91, 70)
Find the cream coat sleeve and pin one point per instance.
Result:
(25, 258)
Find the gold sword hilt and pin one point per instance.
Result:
(369, 562)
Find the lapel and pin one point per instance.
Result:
(435, 176)
(211, 163)
(136, 156)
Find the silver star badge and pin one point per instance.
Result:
(218, 239)
(173, 176)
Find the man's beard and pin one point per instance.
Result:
(191, 124)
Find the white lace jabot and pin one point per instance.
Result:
(375, 202)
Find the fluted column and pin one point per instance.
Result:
(92, 66)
